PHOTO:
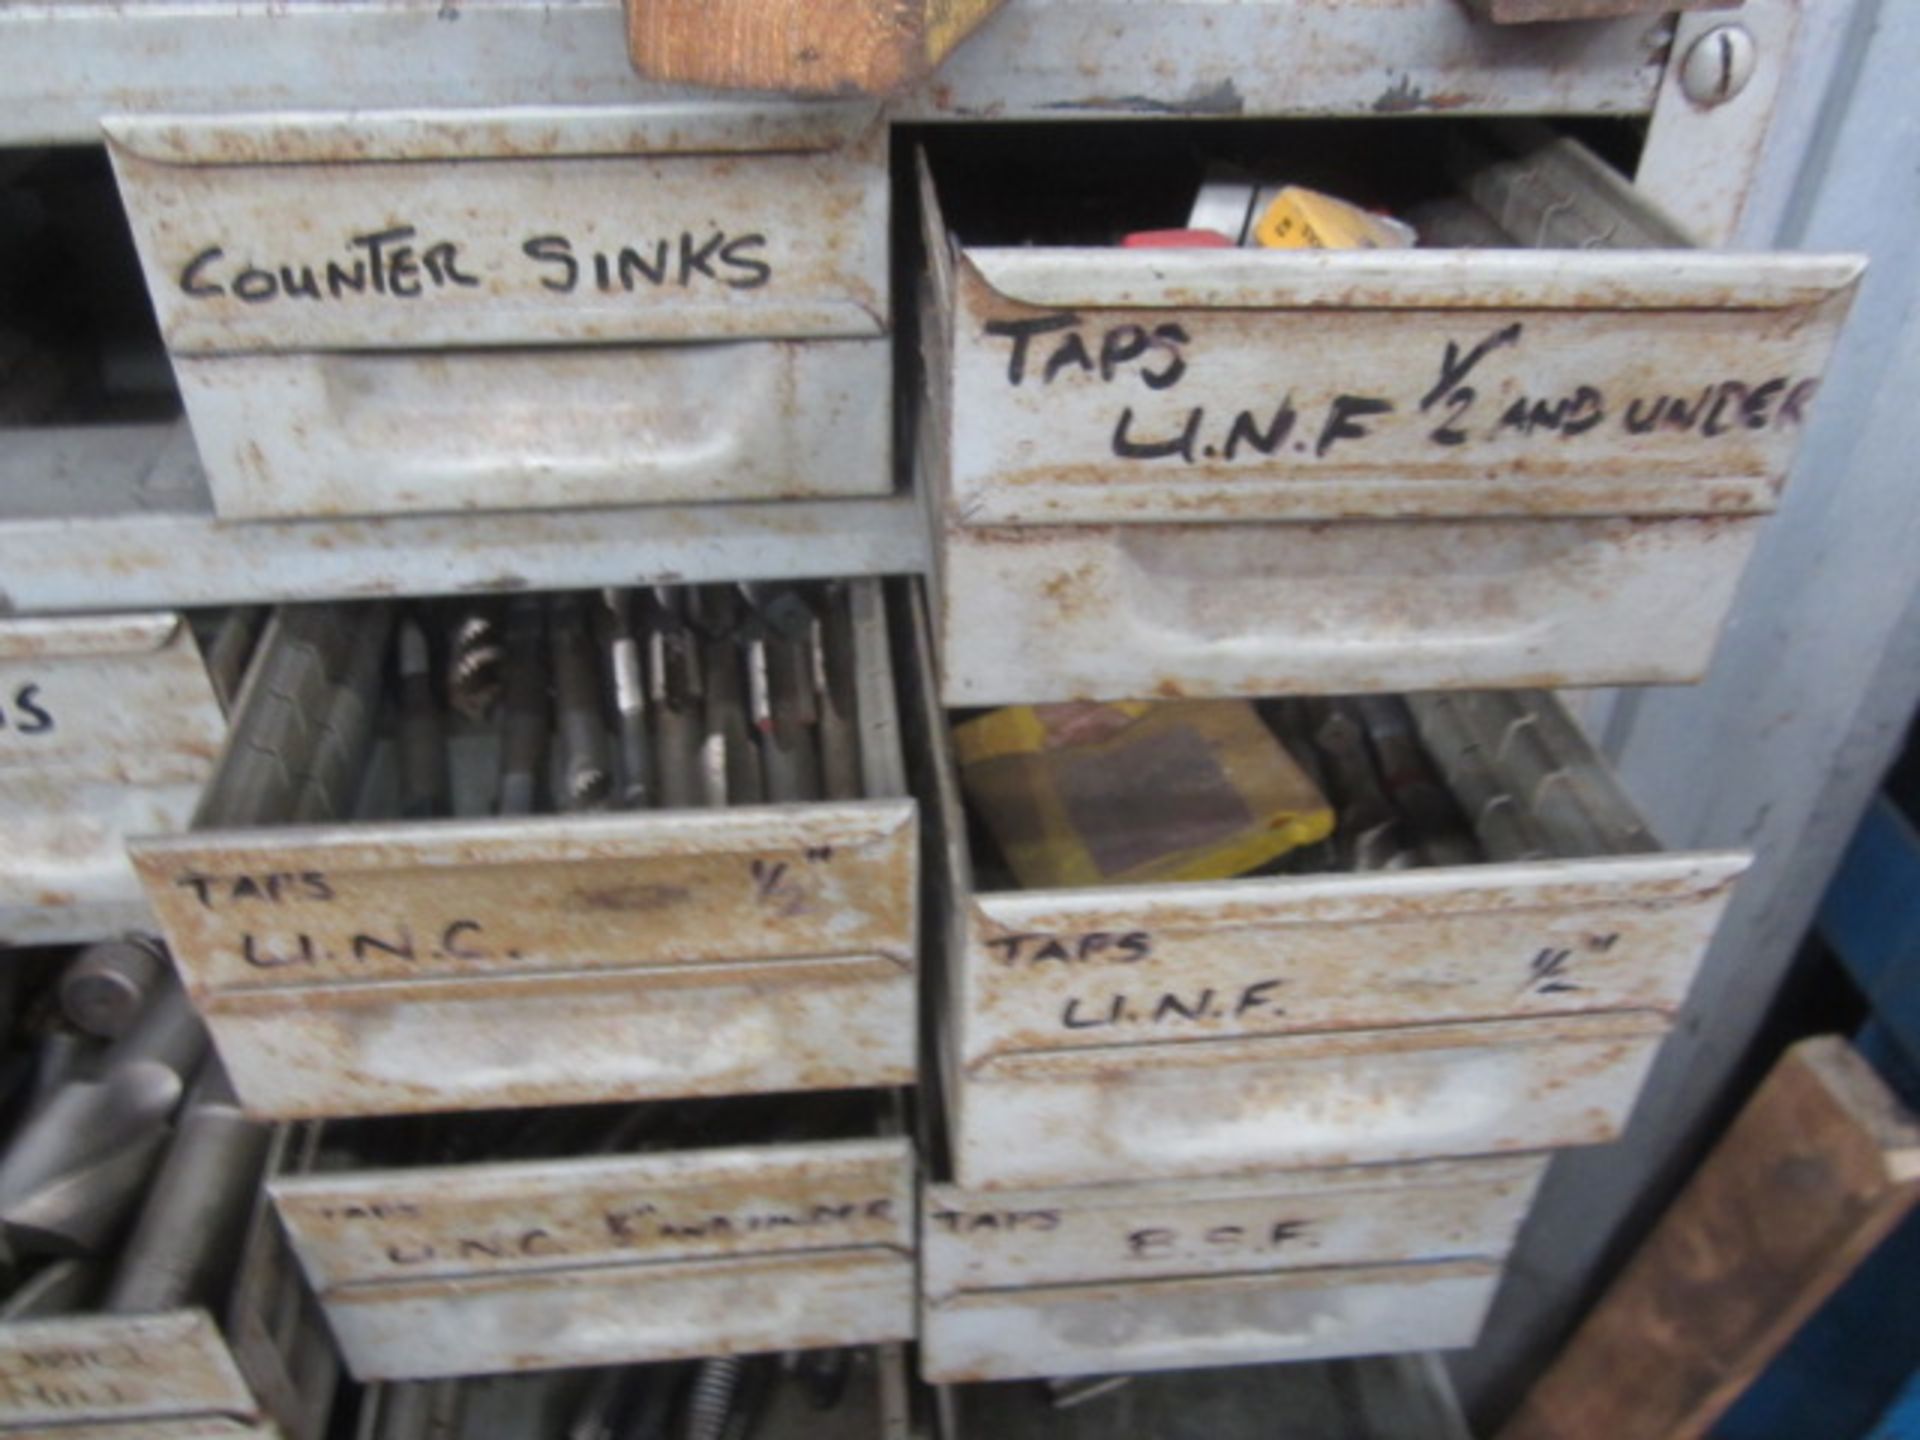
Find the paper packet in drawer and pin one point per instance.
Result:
(1296, 218)
(1129, 792)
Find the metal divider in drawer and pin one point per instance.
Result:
(391, 432)
(262, 1367)
(1257, 472)
(613, 1258)
(377, 964)
(680, 221)
(109, 726)
(1217, 1320)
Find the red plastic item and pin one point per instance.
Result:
(1176, 240)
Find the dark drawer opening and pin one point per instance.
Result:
(674, 697)
(405, 1142)
(1453, 181)
(1430, 780)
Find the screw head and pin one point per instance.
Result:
(1718, 65)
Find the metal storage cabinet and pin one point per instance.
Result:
(456, 310)
(384, 967)
(265, 1367)
(108, 728)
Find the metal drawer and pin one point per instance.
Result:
(1266, 472)
(265, 1368)
(442, 1270)
(390, 966)
(1216, 1320)
(330, 433)
(1183, 1261)
(1099, 1034)
(109, 726)
(404, 312)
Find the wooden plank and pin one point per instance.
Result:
(805, 46)
(1812, 1174)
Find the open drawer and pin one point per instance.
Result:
(609, 1236)
(109, 726)
(1014, 1283)
(263, 1366)
(396, 312)
(1537, 456)
(753, 931)
(1508, 999)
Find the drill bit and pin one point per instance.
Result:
(339, 751)
(781, 697)
(1505, 827)
(586, 767)
(185, 1240)
(523, 718)
(1368, 836)
(729, 761)
(628, 685)
(830, 646)
(678, 691)
(104, 989)
(426, 784)
(476, 660)
(76, 1168)
(1438, 830)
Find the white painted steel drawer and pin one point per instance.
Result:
(1006, 1275)
(1267, 472)
(1212, 1320)
(1103, 1033)
(263, 1368)
(109, 726)
(451, 1270)
(389, 966)
(405, 312)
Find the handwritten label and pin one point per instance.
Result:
(1033, 951)
(70, 1377)
(1169, 1008)
(25, 712)
(1165, 1242)
(1552, 969)
(1460, 403)
(994, 1222)
(401, 263)
(638, 1225)
(785, 889)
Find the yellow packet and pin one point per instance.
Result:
(1303, 219)
(1136, 791)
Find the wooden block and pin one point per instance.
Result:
(1812, 1174)
(1524, 12)
(816, 47)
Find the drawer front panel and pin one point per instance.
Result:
(109, 1368)
(1241, 1107)
(1095, 612)
(1233, 1320)
(365, 433)
(403, 1226)
(506, 227)
(623, 1315)
(1324, 386)
(293, 907)
(1051, 971)
(1150, 1230)
(64, 873)
(569, 1039)
(120, 698)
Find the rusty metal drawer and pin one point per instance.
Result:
(1266, 472)
(264, 1368)
(526, 309)
(332, 433)
(109, 726)
(435, 1269)
(1103, 1033)
(1189, 1273)
(380, 965)
(1215, 1320)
